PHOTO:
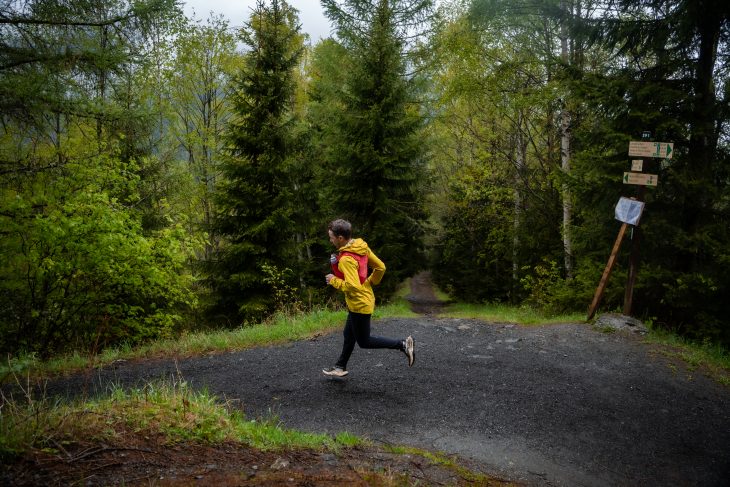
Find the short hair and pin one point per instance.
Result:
(340, 228)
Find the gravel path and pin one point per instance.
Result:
(545, 405)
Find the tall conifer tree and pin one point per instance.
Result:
(255, 203)
(378, 159)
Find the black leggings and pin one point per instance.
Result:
(357, 330)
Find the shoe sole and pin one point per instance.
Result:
(335, 374)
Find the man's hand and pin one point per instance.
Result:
(328, 277)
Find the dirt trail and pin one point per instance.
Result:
(422, 297)
(545, 405)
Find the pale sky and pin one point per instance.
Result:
(311, 15)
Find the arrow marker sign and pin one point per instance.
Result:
(651, 149)
(641, 179)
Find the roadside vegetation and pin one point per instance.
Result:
(501, 312)
(161, 415)
(284, 326)
(171, 409)
(710, 358)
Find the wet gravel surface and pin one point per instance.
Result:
(546, 405)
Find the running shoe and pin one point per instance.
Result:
(335, 371)
(408, 348)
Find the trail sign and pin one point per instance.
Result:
(629, 211)
(641, 179)
(637, 165)
(651, 149)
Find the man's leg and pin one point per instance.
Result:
(361, 328)
(348, 345)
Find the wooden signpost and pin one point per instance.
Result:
(642, 180)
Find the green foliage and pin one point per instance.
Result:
(78, 268)
(496, 158)
(647, 66)
(552, 294)
(197, 75)
(255, 207)
(66, 57)
(542, 282)
(501, 313)
(375, 164)
(108, 175)
(81, 269)
(283, 294)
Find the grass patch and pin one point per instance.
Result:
(499, 312)
(440, 295)
(173, 410)
(169, 413)
(443, 460)
(349, 440)
(713, 359)
(396, 309)
(398, 306)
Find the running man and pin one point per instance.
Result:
(350, 275)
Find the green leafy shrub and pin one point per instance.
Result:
(77, 268)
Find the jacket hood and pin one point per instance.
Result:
(356, 246)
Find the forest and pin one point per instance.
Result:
(161, 174)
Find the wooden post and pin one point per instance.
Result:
(633, 260)
(607, 272)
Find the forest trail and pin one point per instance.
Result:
(422, 297)
(542, 405)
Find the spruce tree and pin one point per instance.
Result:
(255, 205)
(377, 162)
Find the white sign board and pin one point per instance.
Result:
(651, 149)
(629, 211)
(637, 165)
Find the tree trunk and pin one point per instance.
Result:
(565, 118)
(520, 154)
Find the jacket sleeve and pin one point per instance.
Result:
(378, 268)
(351, 282)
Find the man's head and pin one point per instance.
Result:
(340, 232)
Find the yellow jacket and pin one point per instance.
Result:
(359, 297)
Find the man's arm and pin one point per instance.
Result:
(348, 267)
(378, 268)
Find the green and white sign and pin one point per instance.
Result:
(641, 179)
(651, 149)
